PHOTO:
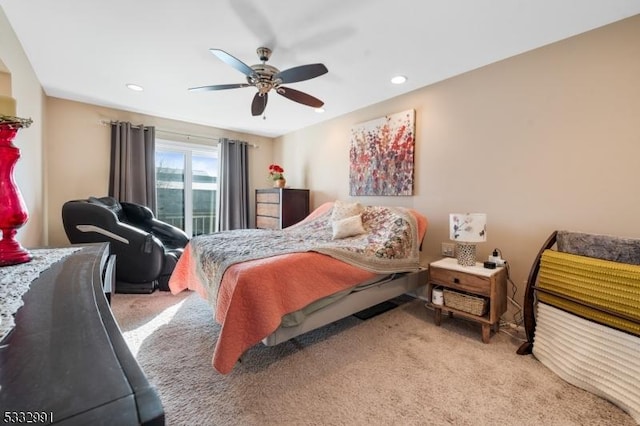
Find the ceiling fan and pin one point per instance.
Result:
(266, 77)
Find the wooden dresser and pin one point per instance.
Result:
(277, 208)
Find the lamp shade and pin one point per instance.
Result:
(468, 227)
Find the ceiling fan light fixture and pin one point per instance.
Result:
(265, 78)
(398, 79)
(135, 87)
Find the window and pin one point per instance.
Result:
(186, 186)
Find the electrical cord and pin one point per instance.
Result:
(517, 316)
(513, 336)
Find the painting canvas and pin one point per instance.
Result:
(381, 156)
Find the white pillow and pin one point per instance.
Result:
(348, 227)
(342, 210)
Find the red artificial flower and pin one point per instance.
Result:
(276, 172)
(274, 168)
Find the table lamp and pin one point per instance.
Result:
(467, 229)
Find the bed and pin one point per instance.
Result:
(272, 285)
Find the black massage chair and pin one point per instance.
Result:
(146, 249)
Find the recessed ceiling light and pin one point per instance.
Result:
(398, 79)
(135, 87)
(319, 110)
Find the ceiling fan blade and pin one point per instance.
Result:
(259, 103)
(219, 87)
(301, 73)
(255, 21)
(300, 97)
(233, 61)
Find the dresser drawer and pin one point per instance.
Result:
(461, 281)
(268, 197)
(263, 209)
(265, 222)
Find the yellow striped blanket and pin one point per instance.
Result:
(609, 285)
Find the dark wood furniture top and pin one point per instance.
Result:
(277, 208)
(66, 357)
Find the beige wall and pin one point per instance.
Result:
(77, 153)
(29, 97)
(546, 140)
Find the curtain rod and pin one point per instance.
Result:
(170, 132)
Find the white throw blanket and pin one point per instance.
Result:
(591, 356)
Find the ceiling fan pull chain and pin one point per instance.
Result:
(264, 116)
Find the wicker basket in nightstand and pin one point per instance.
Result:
(475, 305)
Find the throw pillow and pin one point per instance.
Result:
(348, 227)
(342, 210)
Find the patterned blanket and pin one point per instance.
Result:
(389, 245)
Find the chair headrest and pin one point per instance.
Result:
(108, 203)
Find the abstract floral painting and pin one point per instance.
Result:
(381, 156)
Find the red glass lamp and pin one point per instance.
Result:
(13, 212)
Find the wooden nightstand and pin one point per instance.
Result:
(474, 281)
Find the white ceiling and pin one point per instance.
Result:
(87, 50)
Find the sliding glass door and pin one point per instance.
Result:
(186, 185)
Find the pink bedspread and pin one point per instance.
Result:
(248, 313)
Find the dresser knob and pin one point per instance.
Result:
(456, 281)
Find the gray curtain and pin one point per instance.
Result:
(233, 185)
(132, 175)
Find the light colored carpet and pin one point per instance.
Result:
(397, 368)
